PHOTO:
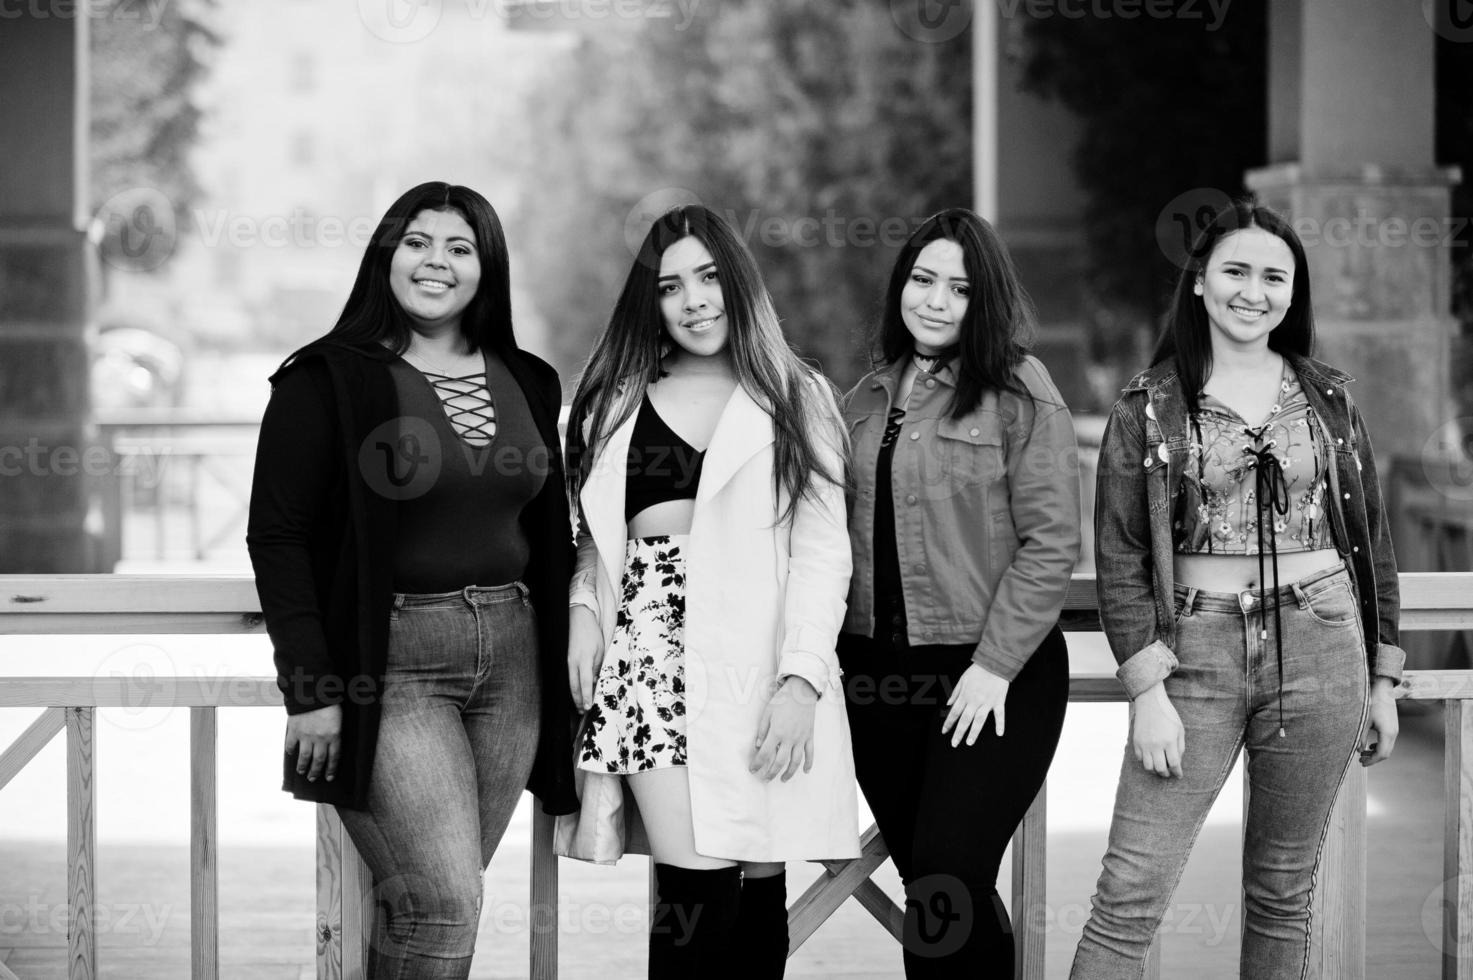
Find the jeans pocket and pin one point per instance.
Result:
(1333, 606)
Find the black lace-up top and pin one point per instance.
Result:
(468, 458)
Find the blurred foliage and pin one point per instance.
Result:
(147, 61)
(810, 125)
(1166, 106)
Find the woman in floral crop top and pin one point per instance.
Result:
(1248, 590)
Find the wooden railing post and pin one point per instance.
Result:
(81, 845)
(1030, 867)
(344, 902)
(1457, 854)
(204, 879)
(1338, 925)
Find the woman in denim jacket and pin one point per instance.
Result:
(964, 523)
(1248, 590)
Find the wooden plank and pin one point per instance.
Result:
(1029, 909)
(544, 899)
(31, 741)
(27, 595)
(358, 908)
(1436, 685)
(1095, 687)
(1456, 943)
(878, 904)
(81, 838)
(329, 929)
(139, 692)
(5, 973)
(135, 623)
(1338, 924)
(204, 886)
(833, 888)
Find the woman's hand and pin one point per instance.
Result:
(585, 654)
(978, 694)
(316, 737)
(785, 733)
(1383, 723)
(1156, 732)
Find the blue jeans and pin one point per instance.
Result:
(459, 729)
(1227, 693)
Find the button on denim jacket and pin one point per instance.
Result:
(1142, 457)
(986, 512)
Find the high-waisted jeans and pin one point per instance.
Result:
(947, 814)
(459, 729)
(1227, 692)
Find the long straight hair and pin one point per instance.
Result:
(632, 344)
(998, 320)
(1187, 333)
(372, 315)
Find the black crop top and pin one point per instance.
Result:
(661, 466)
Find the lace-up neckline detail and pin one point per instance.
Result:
(467, 404)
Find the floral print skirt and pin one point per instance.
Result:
(637, 721)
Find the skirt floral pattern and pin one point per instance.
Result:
(637, 720)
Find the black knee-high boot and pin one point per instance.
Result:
(760, 947)
(690, 934)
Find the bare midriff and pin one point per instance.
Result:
(666, 517)
(1239, 573)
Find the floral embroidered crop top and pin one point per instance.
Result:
(1237, 473)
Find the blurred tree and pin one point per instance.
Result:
(146, 62)
(824, 132)
(1168, 106)
(1455, 148)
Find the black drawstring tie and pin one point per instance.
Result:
(1272, 490)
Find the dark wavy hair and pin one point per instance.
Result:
(1187, 334)
(634, 341)
(998, 321)
(373, 316)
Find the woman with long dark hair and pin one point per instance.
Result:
(964, 523)
(410, 538)
(1249, 591)
(707, 463)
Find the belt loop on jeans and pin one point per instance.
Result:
(523, 591)
(398, 601)
(1189, 601)
(1299, 596)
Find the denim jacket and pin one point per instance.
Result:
(986, 512)
(1142, 457)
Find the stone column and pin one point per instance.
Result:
(1351, 138)
(46, 274)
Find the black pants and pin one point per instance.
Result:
(947, 814)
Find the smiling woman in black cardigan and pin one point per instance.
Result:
(412, 550)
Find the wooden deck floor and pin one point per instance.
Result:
(267, 915)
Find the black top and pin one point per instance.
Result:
(661, 466)
(464, 526)
(323, 524)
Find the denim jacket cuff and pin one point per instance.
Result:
(1390, 661)
(1146, 668)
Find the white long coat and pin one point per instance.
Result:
(763, 600)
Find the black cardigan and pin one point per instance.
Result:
(321, 540)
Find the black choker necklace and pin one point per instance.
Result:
(926, 362)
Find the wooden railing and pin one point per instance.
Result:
(153, 605)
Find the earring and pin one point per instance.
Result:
(1197, 289)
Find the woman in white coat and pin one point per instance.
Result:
(707, 462)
